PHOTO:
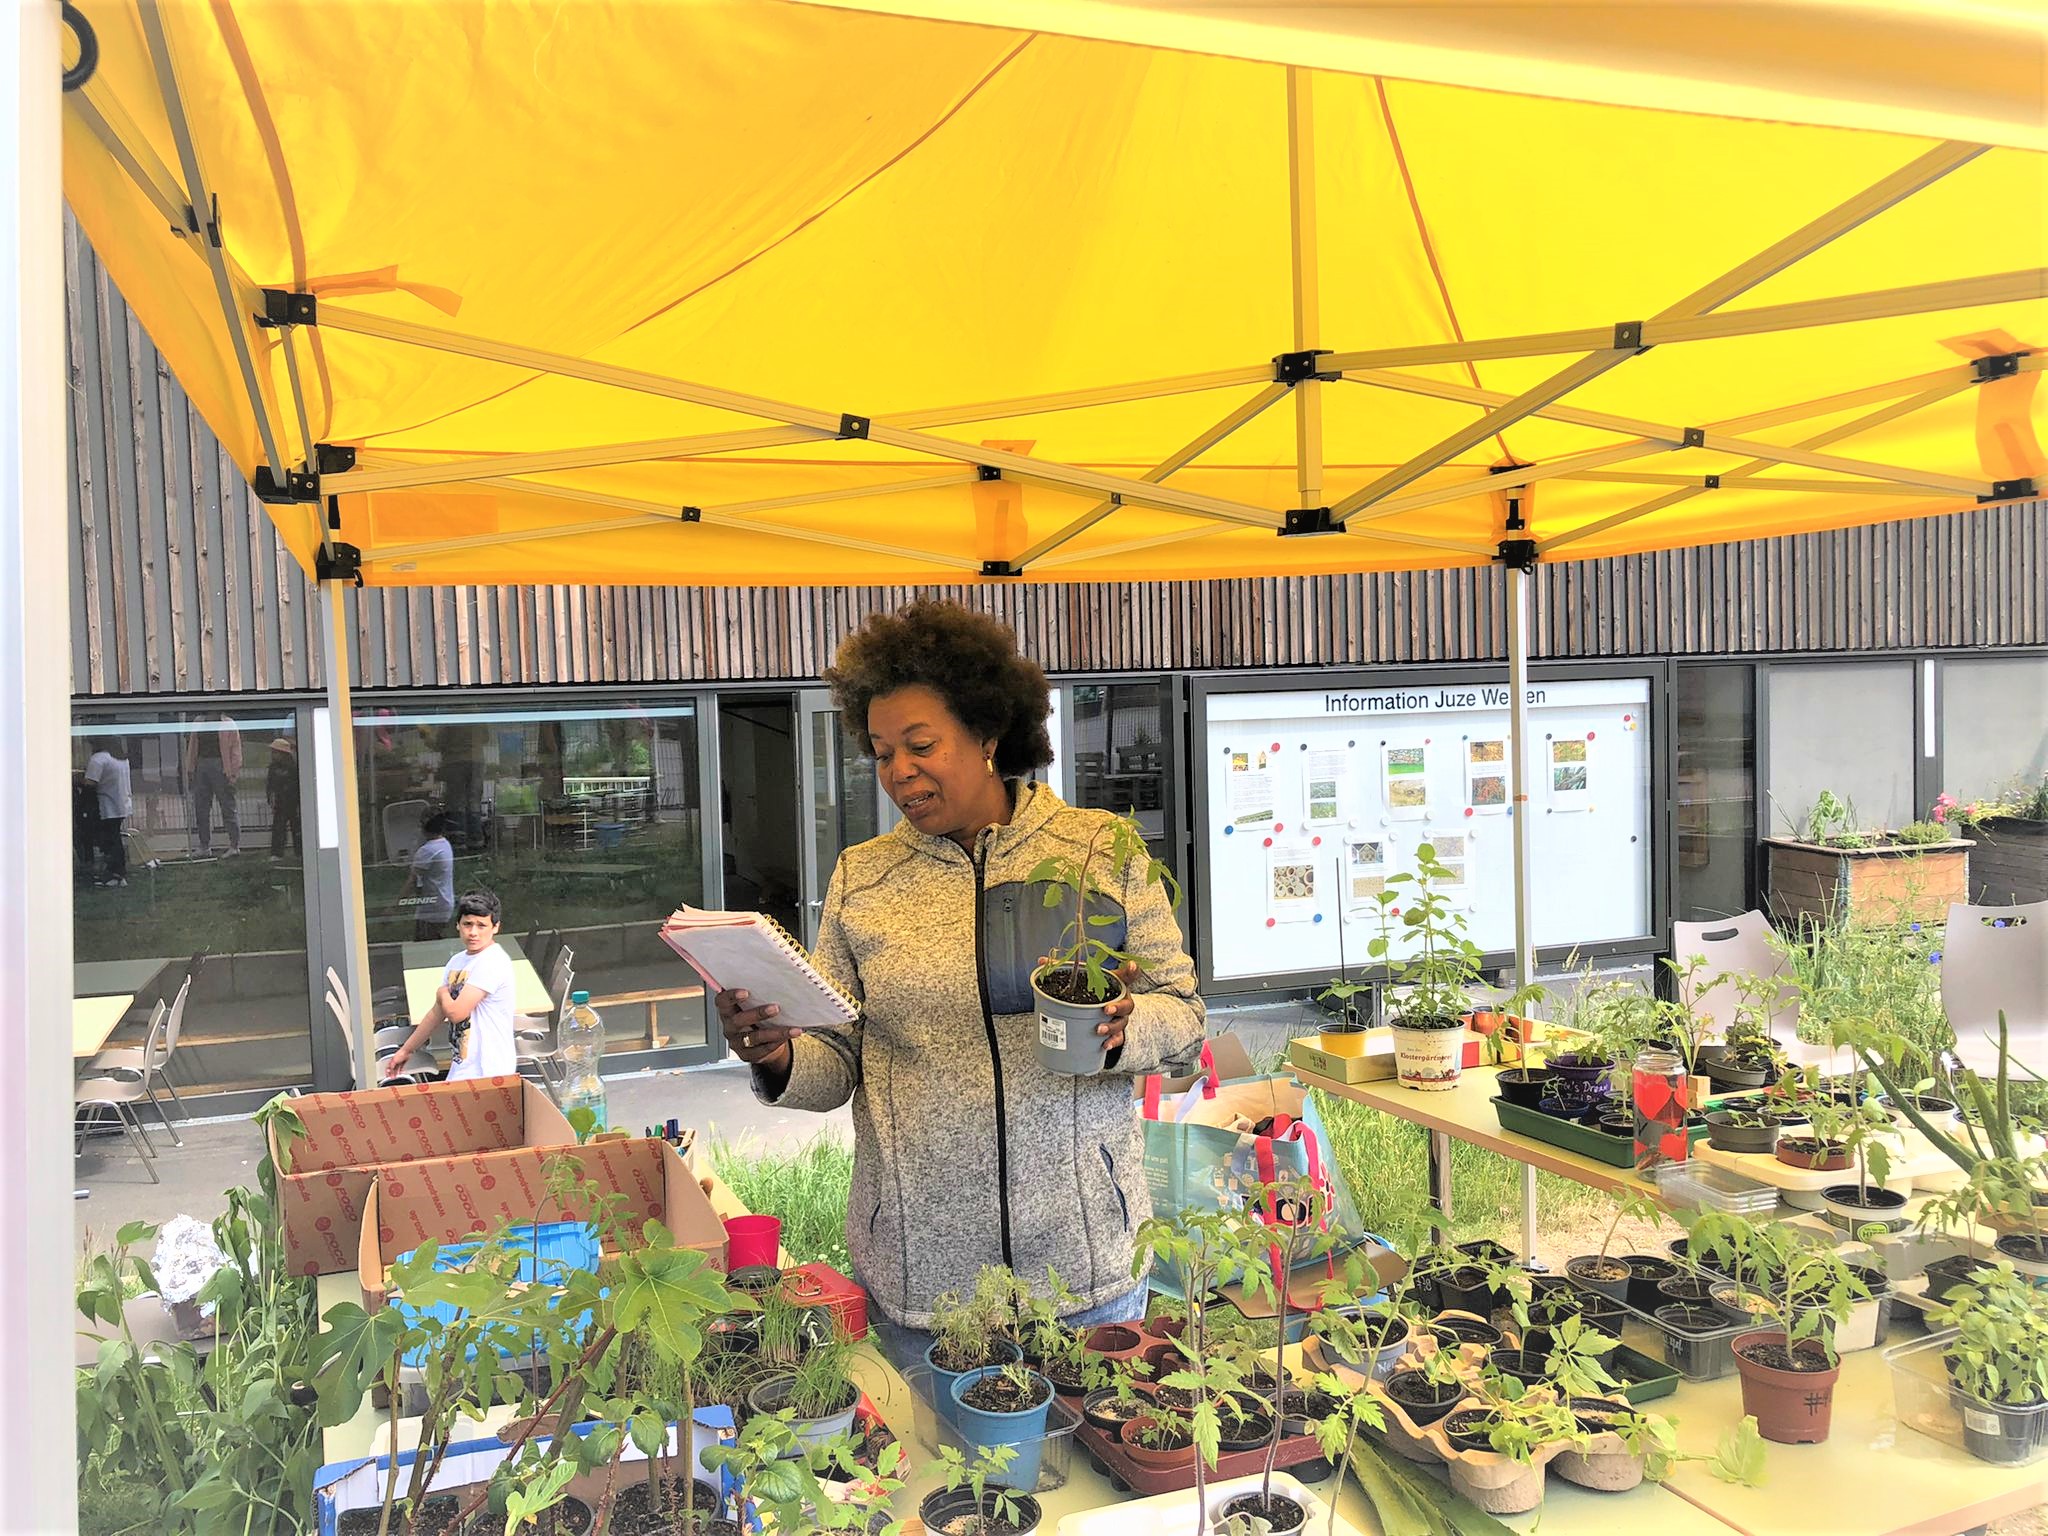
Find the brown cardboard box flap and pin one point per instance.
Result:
(350, 1136)
(446, 1200)
(1305, 1284)
(1226, 1050)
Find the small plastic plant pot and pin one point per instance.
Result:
(1455, 1328)
(1154, 1458)
(1581, 1069)
(1282, 1515)
(2026, 1254)
(1022, 1429)
(1465, 1290)
(1725, 1135)
(1525, 1365)
(1609, 1277)
(1101, 1409)
(942, 1506)
(772, 1396)
(1739, 1304)
(1792, 1407)
(1250, 1426)
(1849, 1208)
(1525, 1085)
(1646, 1271)
(1346, 1040)
(943, 1379)
(1684, 1291)
(2003, 1434)
(1809, 1155)
(1067, 1042)
(1944, 1275)
(1423, 1400)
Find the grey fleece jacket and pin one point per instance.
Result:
(966, 1151)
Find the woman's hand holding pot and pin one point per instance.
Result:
(1116, 1015)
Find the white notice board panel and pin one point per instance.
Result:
(1315, 797)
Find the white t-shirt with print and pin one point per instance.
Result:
(109, 775)
(483, 1043)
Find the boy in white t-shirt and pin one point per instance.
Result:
(477, 999)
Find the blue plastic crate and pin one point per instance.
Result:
(553, 1248)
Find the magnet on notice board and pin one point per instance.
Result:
(1315, 842)
(1319, 917)
(1227, 831)
(1468, 810)
(1269, 922)
(1279, 826)
(1589, 735)
(1269, 842)
(1276, 746)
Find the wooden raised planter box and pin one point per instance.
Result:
(1910, 882)
(2011, 861)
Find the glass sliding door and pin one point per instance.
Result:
(843, 801)
(586, 819)
(187, 865)
(1716, 791)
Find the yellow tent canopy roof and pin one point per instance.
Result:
(768, 293)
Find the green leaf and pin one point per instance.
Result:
(353, 1351)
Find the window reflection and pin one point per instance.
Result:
(586, 822)
(186, 864)
(1717, 829)
(1121, 760)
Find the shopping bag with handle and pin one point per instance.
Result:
(1218, 1143)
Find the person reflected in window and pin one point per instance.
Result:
(281, 789)
(433, 876)
(213, 766)
(107, 772)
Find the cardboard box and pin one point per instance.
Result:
(1374, 1066)
(445, 1200)
(350, 1136)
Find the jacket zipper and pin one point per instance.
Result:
(995, 1056)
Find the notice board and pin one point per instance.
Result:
(1315, 796)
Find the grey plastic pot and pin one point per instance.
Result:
(772, 1396)
(1067, 1042)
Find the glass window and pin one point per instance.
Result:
(1994, 724)
(586, 822)
(1848, 728)
(186, 861)
(1121, 759)
(1716, 792)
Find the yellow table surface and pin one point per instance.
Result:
(93, 1019)
(425, 963)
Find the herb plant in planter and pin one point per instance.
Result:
(975, 1497)
(818, 1395)
(1005, 1405)
(1434, 981)
(1747, 1056)
(1079, 978)
(1743, 1130)
(971, 1333)
(1998, 1364)
(1863, 1131)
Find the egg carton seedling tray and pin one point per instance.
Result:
(1807, 1183)
(1112, 1458)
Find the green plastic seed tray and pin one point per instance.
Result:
(1615, 1151)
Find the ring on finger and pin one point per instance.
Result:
(746, 1042)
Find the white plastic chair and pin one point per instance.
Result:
(150, 1064)
(1995, 960)
(337, 1004)
(1739, 948)
(120, 1095)
(404, 829)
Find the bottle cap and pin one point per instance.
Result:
(579, 997)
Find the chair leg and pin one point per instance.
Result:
(149, 1091)
(133, 1124)
(172, 1089)
(137, 1119)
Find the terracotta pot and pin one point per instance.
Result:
(1802, 1158)
(1791, 1407)
(1114, 1341)
(1145, 1456)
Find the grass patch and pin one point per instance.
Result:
(807, 1187)
(1386, 1162)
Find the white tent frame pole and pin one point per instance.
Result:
(653, 512)
(152, 179)
(1519, 582)
(1526, 474)
(1803, 487)
(383, 328)
(200, 219)
(1744, 476)
(343, 824)
(1307, 274)
(1838, 221)
(38, 1464)
(361, 481)
(2019, 286)
(1193, 449)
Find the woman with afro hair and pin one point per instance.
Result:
(966, 1151)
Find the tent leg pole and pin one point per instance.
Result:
(1301, 207)
(1518, 788)
(340, 824)
(38, 1466)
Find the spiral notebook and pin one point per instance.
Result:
(753, 952)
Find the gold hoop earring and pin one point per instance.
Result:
(991, 764)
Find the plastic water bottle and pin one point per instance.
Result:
(581, 1042)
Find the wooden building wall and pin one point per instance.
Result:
(179, 585)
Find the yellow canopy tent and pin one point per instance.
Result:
(783, 294)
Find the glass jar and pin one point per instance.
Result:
(1661, 1096)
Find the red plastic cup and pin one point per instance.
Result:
(752, 1240)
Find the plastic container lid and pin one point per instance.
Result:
(579, 997)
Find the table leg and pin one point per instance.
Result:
(1440, 1184)
(1529, 1217)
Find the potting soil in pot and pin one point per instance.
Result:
(1282, 1515)
(571, 1517)
(634, 1512)
(957, 1513)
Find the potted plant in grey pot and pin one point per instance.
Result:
(1079, 978)
(1998, 1363)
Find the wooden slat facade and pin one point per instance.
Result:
(180, 585)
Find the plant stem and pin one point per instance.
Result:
(390, 1442)
(532, 1426)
